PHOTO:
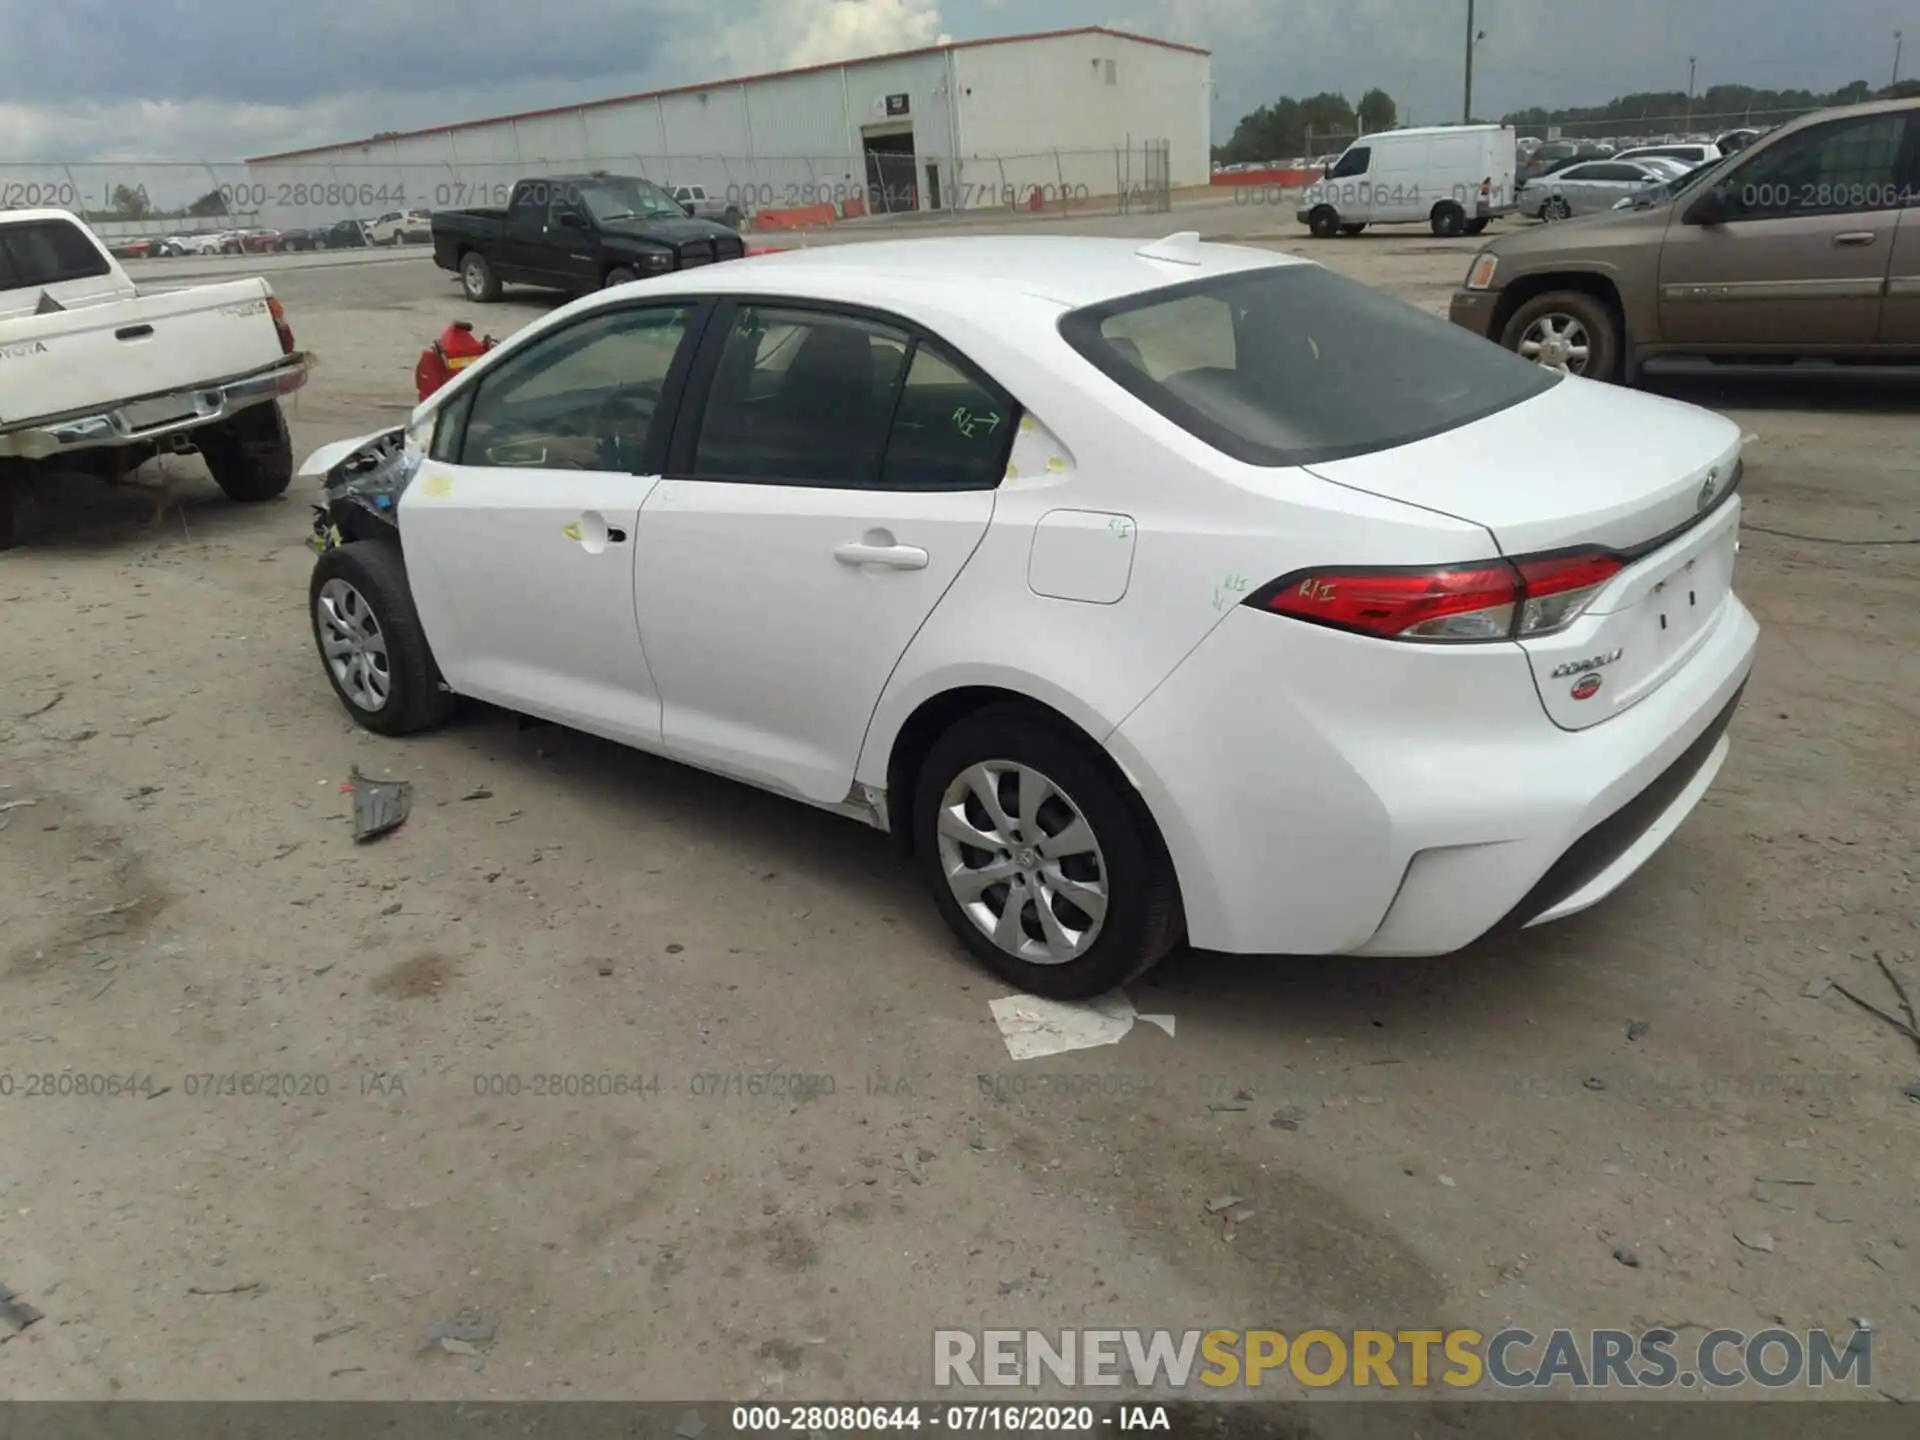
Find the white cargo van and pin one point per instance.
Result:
(1453, 177)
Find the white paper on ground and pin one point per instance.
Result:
(1034, 1028)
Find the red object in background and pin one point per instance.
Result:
(446, 357)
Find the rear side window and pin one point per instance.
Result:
(801, 397)
(1292, 364)
(47, 252)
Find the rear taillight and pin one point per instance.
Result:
(1558, 588)
(1480, 601)
(280, 325)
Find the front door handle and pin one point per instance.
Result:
(1854, 237)
(895, 557)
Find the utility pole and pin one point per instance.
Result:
(1466, 108)
(1690, 72)
(1896, 59)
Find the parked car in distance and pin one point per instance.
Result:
(1694, 153)
(344, 235)
(1590, 186)
(577, 233)
(1057, 505)
(260, 242)
(1454, 178)
(198, 242)
(1795, 249)
(1735, 141)
(401, 227)
(695, 200)
(298, 239)
(100, 378)
(132, 248)
(1666, 189)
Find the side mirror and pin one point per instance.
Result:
(1709, 209)
(572, 220)
(687, 206)
(1326, 172)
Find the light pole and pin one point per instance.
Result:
(1690, 73)
(1896, 59)
(1466, 107)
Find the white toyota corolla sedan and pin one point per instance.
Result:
(1142, 592)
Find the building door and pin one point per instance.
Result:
(892, 168)
(933, 186)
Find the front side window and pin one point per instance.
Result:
(47, 252)
(1293, 364)
(1354, 162)
(1832, 169)
(801, 397)
(584, 398)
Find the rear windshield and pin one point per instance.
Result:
(1293, 364)
(46, 252)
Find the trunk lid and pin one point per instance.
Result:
(1587, 466)
(96, 357)
(1582, 464)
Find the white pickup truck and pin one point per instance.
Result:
(96, 377)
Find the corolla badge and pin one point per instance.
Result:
(1708, 489)
(1581, 667)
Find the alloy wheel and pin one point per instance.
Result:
(355, 647)
(1558, 341)
(1022, 862)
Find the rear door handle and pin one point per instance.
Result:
(895, 557)
(1854, 237)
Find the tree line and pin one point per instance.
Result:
(1288, 127)
(131, 202)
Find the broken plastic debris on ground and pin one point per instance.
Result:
(378, 805)
(1034, 1028)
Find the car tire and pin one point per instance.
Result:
(1141, 919)
(1324, 222)
(1449, 219)
(1556, 208)
(619, 275)
(482, 286)
(1570, 313)
(250, 455)
(370, 640)
(1352, 228)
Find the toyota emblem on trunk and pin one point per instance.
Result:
(1707, 489)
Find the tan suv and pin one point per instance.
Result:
(1804, 246)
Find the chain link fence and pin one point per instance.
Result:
(320, 190)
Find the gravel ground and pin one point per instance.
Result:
(1467, 1141)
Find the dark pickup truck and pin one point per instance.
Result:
(576, 233)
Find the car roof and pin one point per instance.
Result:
(1072, 270)
(1414, 132)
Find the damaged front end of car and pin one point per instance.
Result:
(363, 481)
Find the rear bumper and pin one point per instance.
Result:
(1351, 797)
(153, 418)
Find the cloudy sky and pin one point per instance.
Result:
(86, 80)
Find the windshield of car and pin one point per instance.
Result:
(618, 197)
(1293, 364)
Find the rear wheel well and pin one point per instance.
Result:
(1524, 289)
(941, 713)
